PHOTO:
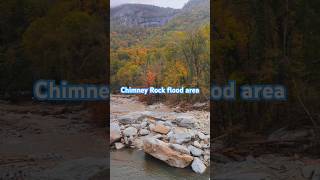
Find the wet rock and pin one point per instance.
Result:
(180, 138)
(198, 166)
(130, 131)
(195, 151)
(180, 148)
(162, 151)
(115, 132)
(161, 129)
(119, 146)
(144, 132)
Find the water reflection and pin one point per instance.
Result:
(136, 165)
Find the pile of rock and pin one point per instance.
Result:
(177, 142)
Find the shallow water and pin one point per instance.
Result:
(136, 165)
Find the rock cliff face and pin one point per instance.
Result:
(140, 15)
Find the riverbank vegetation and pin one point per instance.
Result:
(268, 42)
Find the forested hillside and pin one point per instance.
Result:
(267, 42)
(175, 54)
(51, 39)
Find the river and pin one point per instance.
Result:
(136, 165)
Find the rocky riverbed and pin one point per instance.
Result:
(180, 139)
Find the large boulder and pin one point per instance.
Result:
(180, 148)
(163, 152)
(115, 132)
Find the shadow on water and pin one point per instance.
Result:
(136, 165)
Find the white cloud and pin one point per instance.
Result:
(177, 4)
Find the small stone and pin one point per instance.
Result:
(198, 166)
(119, 146)
(137, 126)
(161, 129)
(168, 123)
(203, 137)
(144, 132)
(127, 119)
(180, 138)
(130, 131)
(195, 151)
(197, 144)
(144, 124)
(151, 127)
(186, 122)
(159, 123)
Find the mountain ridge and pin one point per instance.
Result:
(146, 16)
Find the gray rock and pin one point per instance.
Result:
(198, 166)
(144, 132)
(180, 138)
(144, 124)
(130, 131)
(159, 123)
(186, 122)
(119, 146)
(195, 151)
(128, 119)
(158, 136)
(180, 148)
(151, 127)
(203, 136)
(137, 126)
(168, 123)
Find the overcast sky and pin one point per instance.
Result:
(177, 4)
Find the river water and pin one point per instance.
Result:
(136, 165)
